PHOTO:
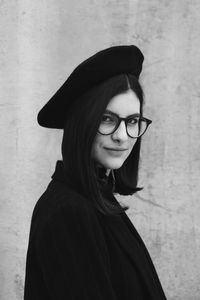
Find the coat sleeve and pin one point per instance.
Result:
(73, 256)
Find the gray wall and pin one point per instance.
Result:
(40, 44)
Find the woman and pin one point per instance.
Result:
(82, 244)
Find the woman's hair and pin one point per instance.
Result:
(81, 126)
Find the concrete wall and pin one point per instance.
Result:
(40, 44)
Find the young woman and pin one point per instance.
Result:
(82, 245)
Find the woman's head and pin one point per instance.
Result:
(83, 147)
(106, 80)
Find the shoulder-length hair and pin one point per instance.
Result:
(81, 126)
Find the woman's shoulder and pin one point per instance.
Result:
(59, 203)
(59, 194)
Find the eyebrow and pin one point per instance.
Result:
(112, 113)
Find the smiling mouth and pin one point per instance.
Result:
(113, 152)
(117, 150)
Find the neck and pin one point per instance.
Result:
(107, 171)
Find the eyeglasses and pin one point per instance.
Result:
(135, 124)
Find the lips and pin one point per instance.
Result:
(115, 152)
(115, 149)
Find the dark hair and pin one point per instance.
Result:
(81, 125)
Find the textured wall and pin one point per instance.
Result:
(40, 43)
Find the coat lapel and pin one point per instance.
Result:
(130, 241)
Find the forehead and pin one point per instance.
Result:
(124, 104)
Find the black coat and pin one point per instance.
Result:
(77, 253)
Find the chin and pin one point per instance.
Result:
(113, 165)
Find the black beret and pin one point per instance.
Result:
(91, 72)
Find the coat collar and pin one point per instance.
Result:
(104, 180)
(59, 172)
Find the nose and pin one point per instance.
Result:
(120, 134)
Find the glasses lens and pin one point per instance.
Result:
(108, 124)
(136, 127)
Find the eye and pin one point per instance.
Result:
(107, 119)
(133, 121)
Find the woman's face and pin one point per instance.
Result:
(110, 151)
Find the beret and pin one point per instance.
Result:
(110, 62)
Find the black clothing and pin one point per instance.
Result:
(77, 253)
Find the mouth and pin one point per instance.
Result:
(115, 152)
(116, 149)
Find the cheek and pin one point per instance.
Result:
(97, 147)
(132, 144)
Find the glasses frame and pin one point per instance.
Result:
(119, 120)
